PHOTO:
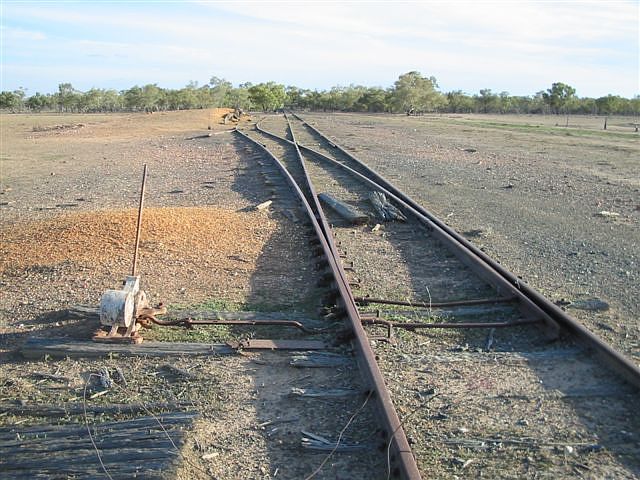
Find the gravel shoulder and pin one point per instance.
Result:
(530, 199)
(69, 191)
(528, 193)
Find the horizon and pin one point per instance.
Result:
(519, 48)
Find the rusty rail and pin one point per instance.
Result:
(618, 362)
(502, 286)
(456, 303)
(403, 461)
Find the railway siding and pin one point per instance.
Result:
(456, 402)
(479, 408)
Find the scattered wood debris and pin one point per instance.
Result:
(607, 214)
(61, 450)
(385, 209)
(51, 128)
(322, 392)
(264, 205)
(317, 442)
(233, 116)
(318, 360)
(347, 212)
(592, 304)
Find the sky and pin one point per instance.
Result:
(520, 47)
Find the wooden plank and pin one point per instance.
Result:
(264, 205)
(64, 409)
(138, 471)
(75, 446)
(345, 211)
(64, 436)
(266, 344)
(120, 425)
(128, 448)
(36, 347)
(115, 456)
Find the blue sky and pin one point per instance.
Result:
(516, 46)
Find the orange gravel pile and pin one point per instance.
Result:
(202, 236)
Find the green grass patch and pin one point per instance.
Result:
(559, 130)
(224, 333)
(215, 304)
(199, 334)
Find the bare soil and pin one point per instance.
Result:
(529, 196)
(529, 193)
(67, 235)
(503, 404)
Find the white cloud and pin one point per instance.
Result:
(327, 43)
(10, 33)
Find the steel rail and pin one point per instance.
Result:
(455, 303)
(321, 216)
(465, 325)
(616, 360)
(393, 434)
(529, 308)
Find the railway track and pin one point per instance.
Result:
(471, 371)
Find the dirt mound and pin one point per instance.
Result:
(208, 236)
(66, 126)
(218, 114)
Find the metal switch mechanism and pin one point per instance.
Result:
(121, 309)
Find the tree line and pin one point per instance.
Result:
(412, 93)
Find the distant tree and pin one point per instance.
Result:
(21, 93)
(151, 97)
(268, 96)
(67, 97)
(314, 100)
(487, 101)
(413, 92)
(239, 97)
(173, 99)
(505, 102)
(539, 104)
(584, 106)
(521, 104)
(220, 92)
(559, 97)
(90, 101)
(294, 97)
(373, 99)
(634, 106)
(331, 99)
(459, 102)
(133, 98)
(609, 105)
(112, 101)
(39, 102)
(191, 96)
(350, 97)
(12, 100)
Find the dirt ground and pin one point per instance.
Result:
(531, 196)
(69, 188)
(503, 404)
(559, 207)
